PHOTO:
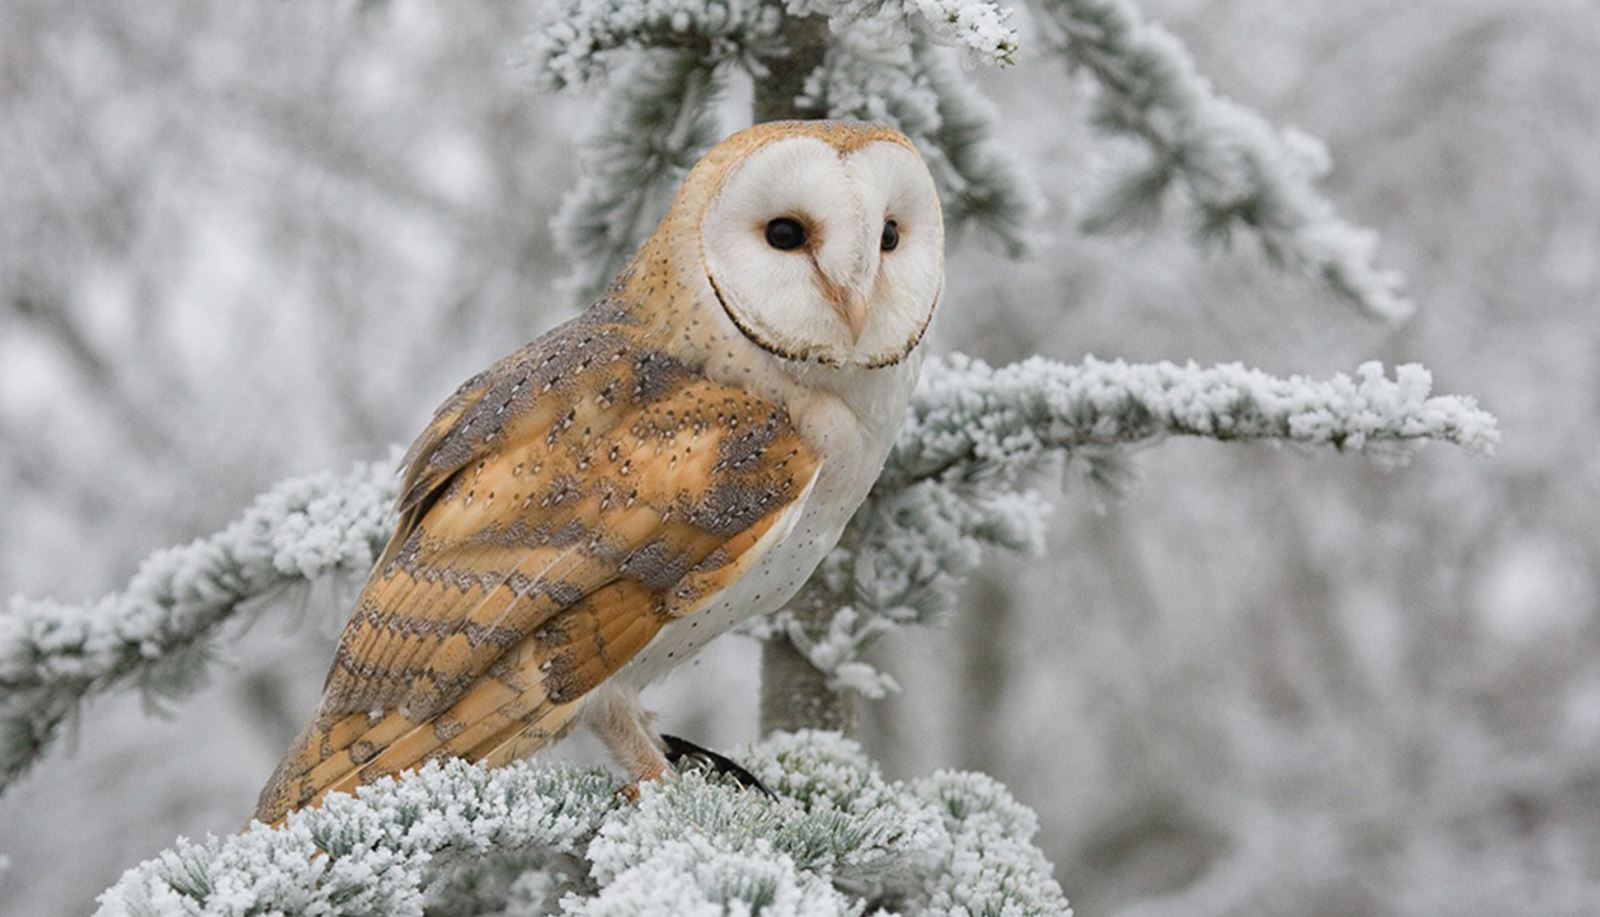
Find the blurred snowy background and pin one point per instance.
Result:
(240, 244)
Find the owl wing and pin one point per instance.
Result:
(556, 513)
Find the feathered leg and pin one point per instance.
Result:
(622, 724)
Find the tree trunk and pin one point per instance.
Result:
(794, 694)
(807, 41)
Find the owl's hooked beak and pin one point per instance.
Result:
(850, 306)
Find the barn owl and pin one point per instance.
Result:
(594, 508)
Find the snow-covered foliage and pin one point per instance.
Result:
(531, 838)
(873, 72)
(954, 486)
(663, 105)
(156, 632)
(1234, 167)
(982, 27)
(575, 46)
(658, 114)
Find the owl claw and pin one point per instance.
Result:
(684, 755)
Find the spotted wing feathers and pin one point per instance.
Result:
(559, 510)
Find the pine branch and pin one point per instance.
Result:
(874, 72)
(156, 632)
(981, 27)
(1234, 167)
(575, 46)
(952, 488)
(454, 838)
(657, 120)
(954, 485)
(980, 182)
(971, 422)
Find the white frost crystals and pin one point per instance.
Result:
(955, 484)
(954, 487)
(533, 839)
(1234, 167)
(981, 27)
(156, 631)
(572, 49)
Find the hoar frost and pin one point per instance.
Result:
(838, 839)
(956, 483)
(955, 486)
(1234, 167)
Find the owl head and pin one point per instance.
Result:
(821, 241)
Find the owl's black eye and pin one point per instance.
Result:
(785, 234)
(891, 236)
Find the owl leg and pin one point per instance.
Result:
(622, 724)
(616, 716)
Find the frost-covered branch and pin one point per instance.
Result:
(575, 46)
(1234, 167)
(980, 181)
(157, 631)
(873, 73)
(838, 839)
(659, 114)
(955, 483)
(981, 27)
(954, 486)
(970, 421)
(655, 122)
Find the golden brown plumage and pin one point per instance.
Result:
(557, 511)
(644, 465)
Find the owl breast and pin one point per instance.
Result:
(852, 434)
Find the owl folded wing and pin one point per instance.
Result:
(557, 512)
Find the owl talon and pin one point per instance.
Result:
(685, 755)
(629, 792)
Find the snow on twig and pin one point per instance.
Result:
(1235, 168)
(155, 632)
(573, 48)
(656, 121)
(536, 838)
(954, 486)
(952, 489)
(982, 27)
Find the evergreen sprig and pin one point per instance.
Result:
(1234, 167)
(954, 487)
(157, 632)
(530, 838)
(956, 484)
(656, 121)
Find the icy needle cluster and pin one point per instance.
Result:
(155, 632)
(662, 120)
(981, 27)
(530, 838)
(955, 483)
(875, 72)
(578, 44)
(1234, 167)
(954, 487)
